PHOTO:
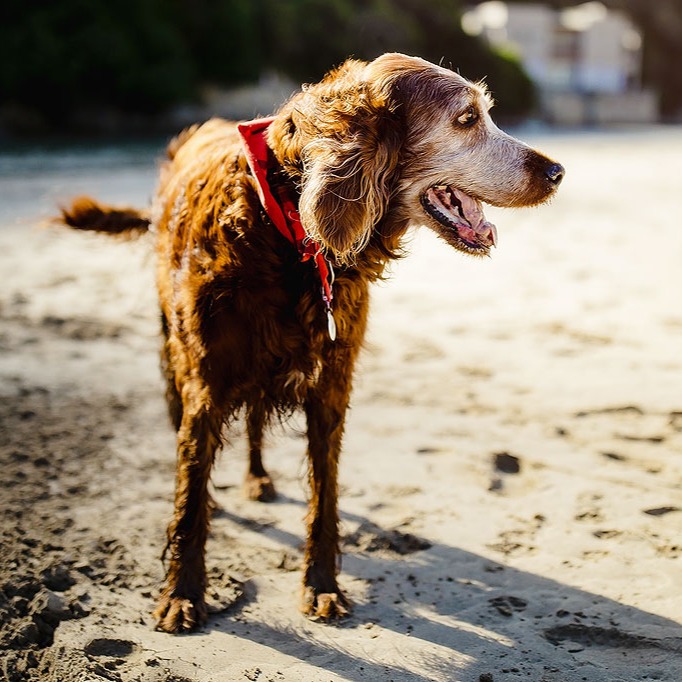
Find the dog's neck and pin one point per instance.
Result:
(281, 207)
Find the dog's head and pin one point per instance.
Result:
(401, 137)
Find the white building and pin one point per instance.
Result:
(585, 60)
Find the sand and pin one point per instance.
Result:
(511, 479)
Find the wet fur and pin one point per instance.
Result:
(244, 329)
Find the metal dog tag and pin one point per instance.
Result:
(331, 325)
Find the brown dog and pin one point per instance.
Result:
(252, 224)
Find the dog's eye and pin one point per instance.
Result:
(468, 118)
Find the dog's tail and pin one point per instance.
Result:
(86, 214)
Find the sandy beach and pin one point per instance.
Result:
(511, 481)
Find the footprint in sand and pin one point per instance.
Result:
(110, 647)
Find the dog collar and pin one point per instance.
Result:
(281, 208)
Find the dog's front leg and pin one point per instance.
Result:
(181, 606)
(325, 410)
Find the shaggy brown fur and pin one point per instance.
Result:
(370, 150)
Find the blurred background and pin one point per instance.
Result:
(140, 66)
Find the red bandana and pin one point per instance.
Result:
(281, 209)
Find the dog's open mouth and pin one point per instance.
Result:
(463, 217)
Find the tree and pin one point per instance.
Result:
(306, 37)
(60, 59)
(224, 38)
(58, 56)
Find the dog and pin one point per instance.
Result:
(268, 235)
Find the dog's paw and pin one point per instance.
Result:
(259, 488)
(324, 606)
(179, 614)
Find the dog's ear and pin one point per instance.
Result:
(348, 180)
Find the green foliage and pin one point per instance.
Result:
(306, 37)
(224, 38)
(58, 57)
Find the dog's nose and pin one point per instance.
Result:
(555, 173)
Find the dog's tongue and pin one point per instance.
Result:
(465, 212)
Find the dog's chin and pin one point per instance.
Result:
(458, 218)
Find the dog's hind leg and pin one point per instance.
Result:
(181, 605)
(173, 399)
(258, 484)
